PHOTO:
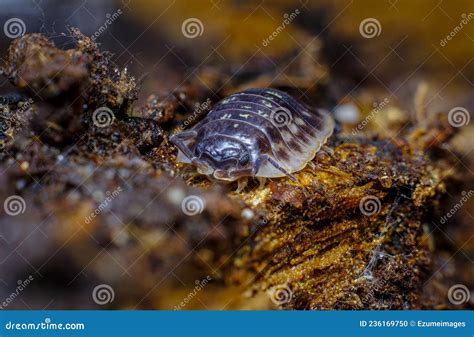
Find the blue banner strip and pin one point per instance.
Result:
(236, 323)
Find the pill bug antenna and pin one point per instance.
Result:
(278, 167)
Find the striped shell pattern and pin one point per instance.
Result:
(256, 132)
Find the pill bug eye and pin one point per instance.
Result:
(244, 159)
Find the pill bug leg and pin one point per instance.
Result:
(241, 184)
(328, 150)
(234, 174)
(261, 181)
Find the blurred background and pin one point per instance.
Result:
(410, 42)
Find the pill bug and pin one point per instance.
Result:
(256, 132)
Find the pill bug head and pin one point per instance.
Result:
(223, 154)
